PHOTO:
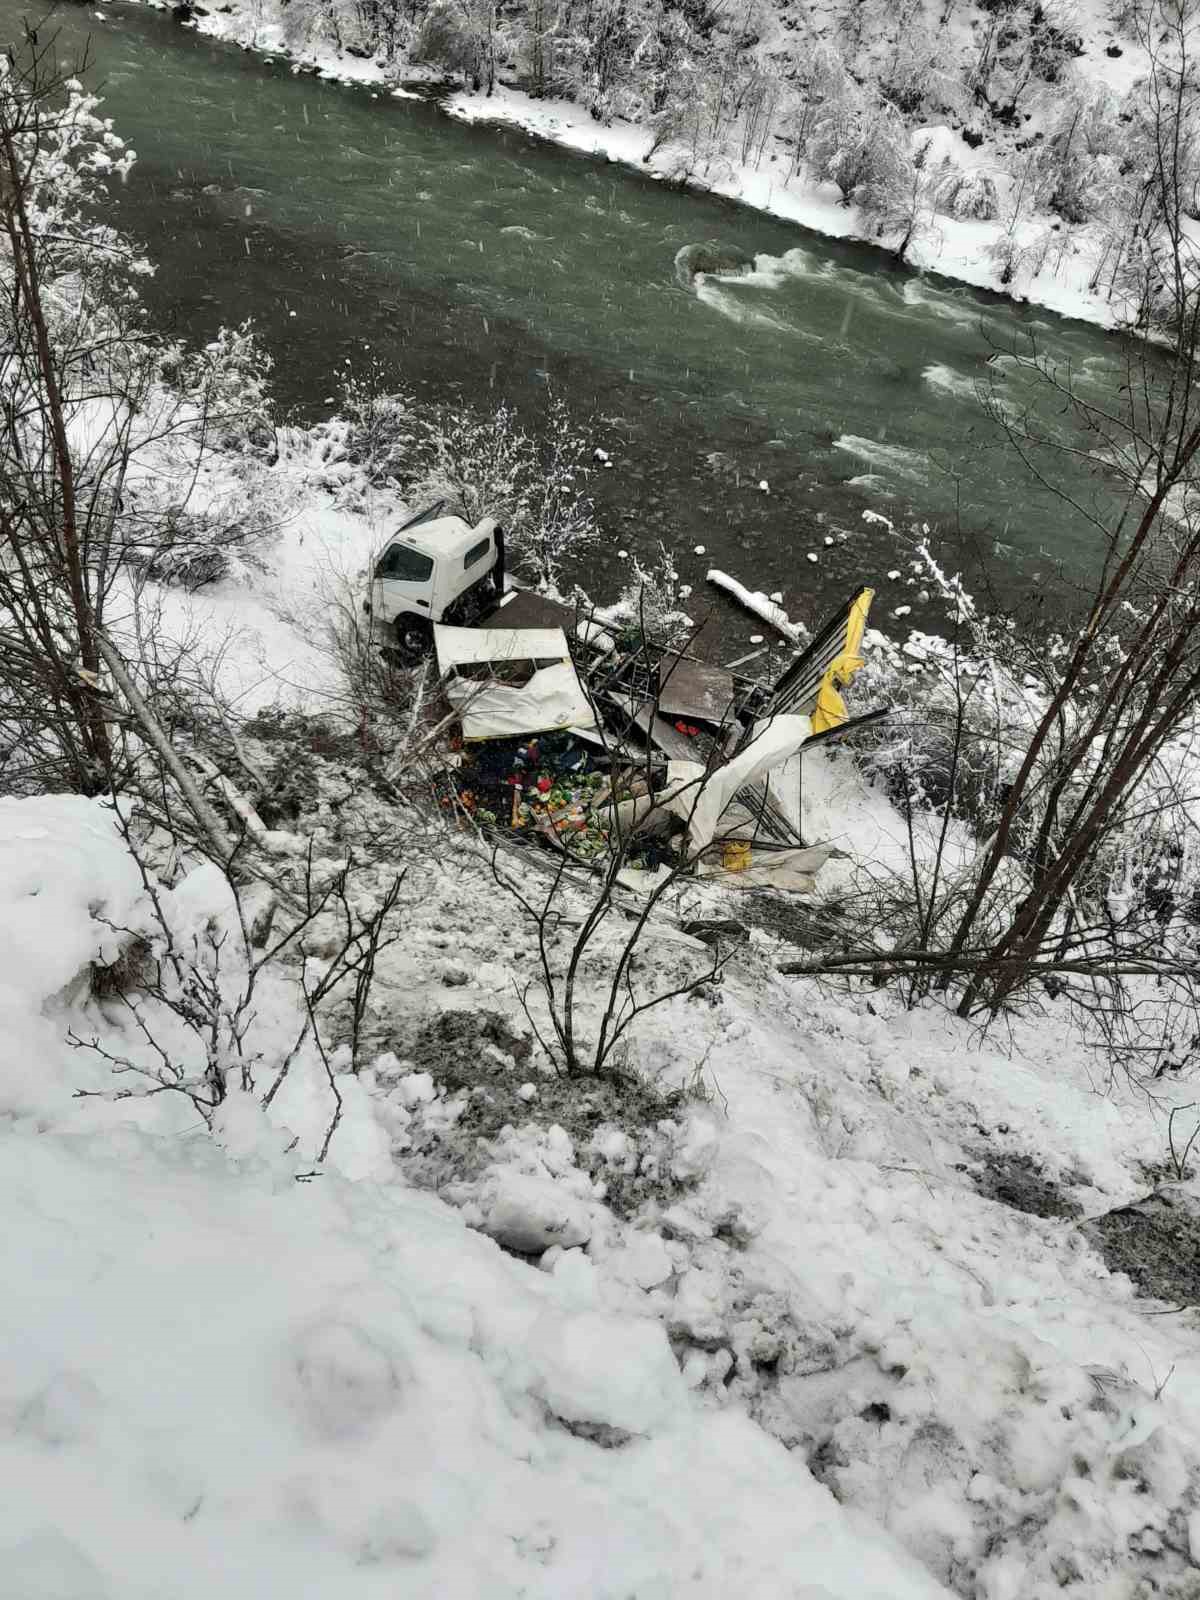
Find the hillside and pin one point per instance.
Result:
(803, 1300)
(493, 1129)
(824, 1325)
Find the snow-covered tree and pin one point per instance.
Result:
(559, 515)
(534, 483)
(917, 78)
(1080, 155)
(653, 599)
(598, 40)
(861, 147)
(86, 395)
(970, 195)
(461, 36)
(814, 75)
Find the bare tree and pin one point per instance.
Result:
(1086, 766)
(1122, 944)
(51, 595)
(83, 390)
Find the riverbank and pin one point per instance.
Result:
(952, 248)
(1051, 262)
(477, 266)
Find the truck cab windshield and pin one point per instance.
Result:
(403, 562)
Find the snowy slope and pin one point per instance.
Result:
(223, 1367)
(218, 1378)
(221, 1370)
(823, 1325)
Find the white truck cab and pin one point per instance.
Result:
(436, 568)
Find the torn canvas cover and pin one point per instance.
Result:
(510, 681)
(701, 801)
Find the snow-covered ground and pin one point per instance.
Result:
(774, 1338)
(216, 1375)
(266, 629)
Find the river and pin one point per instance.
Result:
(479, 262)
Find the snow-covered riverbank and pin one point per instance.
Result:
(946, 245)
(828, 1330)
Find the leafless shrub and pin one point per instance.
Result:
(77, 350)
(1181, 1152)
(585, 919)
(191, 1004)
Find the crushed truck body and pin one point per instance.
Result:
(609, 748)
(508, 681)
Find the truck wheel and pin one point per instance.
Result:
(413, 641)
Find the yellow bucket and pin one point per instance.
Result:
(735, 855)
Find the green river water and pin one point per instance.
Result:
(480, 262)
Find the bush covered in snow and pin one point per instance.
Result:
(970, 195)
(652, 601)
(530, 473)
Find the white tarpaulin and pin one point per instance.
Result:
(701, 802)
(460, 647)
(776, 869)
(550, 697)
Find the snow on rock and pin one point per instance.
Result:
(605, 1370)
(644, 1259)
(64, 876)
(527, 1213)
(758, 604)
(531, 1196)
(416, 1089)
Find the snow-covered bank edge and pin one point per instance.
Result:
(956, 250)
(951, 248)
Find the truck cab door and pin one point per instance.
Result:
(402, 586)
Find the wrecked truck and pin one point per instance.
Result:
(596, 743)
(436, 568)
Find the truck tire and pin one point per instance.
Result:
(414, 639)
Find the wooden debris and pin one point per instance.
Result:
(694, 690)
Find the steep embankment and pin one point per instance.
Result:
(802, 1306)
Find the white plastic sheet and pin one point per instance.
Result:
(552, 698)
(701, 803)
(461, 647)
